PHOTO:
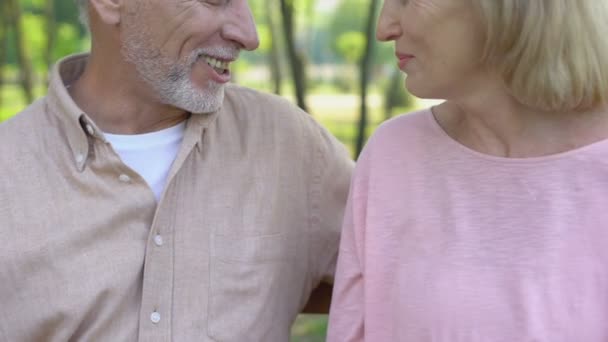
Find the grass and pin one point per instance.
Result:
(309, 328)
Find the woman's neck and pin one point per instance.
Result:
(494, 123)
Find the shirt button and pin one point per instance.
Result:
(155, 317)
(90, 129)
(158, 240)
(79, 158)
(124, 178)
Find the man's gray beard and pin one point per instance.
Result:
(171, 79)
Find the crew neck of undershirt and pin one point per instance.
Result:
(147, 140)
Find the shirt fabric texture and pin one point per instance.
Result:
(445, 244)
(247, 227)
(150, 155)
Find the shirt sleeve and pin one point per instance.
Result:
(346, 317)
(331, 174)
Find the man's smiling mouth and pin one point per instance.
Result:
(221, 66)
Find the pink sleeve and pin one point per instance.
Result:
(346, 318)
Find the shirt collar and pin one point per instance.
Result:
(79, 127)
(72, 119)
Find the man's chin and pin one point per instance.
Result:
(207, 104)
(193, 99)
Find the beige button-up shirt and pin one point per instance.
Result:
(246, 228)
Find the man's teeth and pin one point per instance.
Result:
(216, 63)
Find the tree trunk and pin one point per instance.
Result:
(392, 93)
(296, 62)
(14, 17)
(275, 58)
(3, 47)
(364, 68)
(51, 31)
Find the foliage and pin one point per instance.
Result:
(350, 45)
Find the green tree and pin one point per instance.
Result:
(295, 56)
(275, 54)
(3, 43)
(51, 31)
(13, 14)
(364, 75)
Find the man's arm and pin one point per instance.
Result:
(332, 170)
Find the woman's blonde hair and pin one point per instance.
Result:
(552, 54)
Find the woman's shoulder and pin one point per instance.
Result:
(399, 147)
(404, 130)
(398, 141)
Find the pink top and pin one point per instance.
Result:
(442, 243)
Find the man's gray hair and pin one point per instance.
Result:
(83, 8)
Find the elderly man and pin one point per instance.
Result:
(145, 199)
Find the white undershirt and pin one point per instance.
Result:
(150, 155)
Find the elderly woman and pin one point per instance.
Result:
(484, 218)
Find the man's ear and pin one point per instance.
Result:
(109, 11)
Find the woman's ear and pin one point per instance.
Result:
(109, 11)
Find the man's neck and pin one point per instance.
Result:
(119, 102)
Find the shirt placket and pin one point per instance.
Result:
(156, 314)
(156, 308)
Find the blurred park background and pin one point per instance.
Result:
(321, 54)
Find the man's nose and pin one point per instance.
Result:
(241, 27)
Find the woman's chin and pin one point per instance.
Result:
(422, 89)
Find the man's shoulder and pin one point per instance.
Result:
(267, 110)
(23, 133)
(22, 126)
(235, 91)
(268, 115)
(260, 102)
(22, 140)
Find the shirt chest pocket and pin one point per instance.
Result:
(249, 284)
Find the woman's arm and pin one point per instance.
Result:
(346, 319)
